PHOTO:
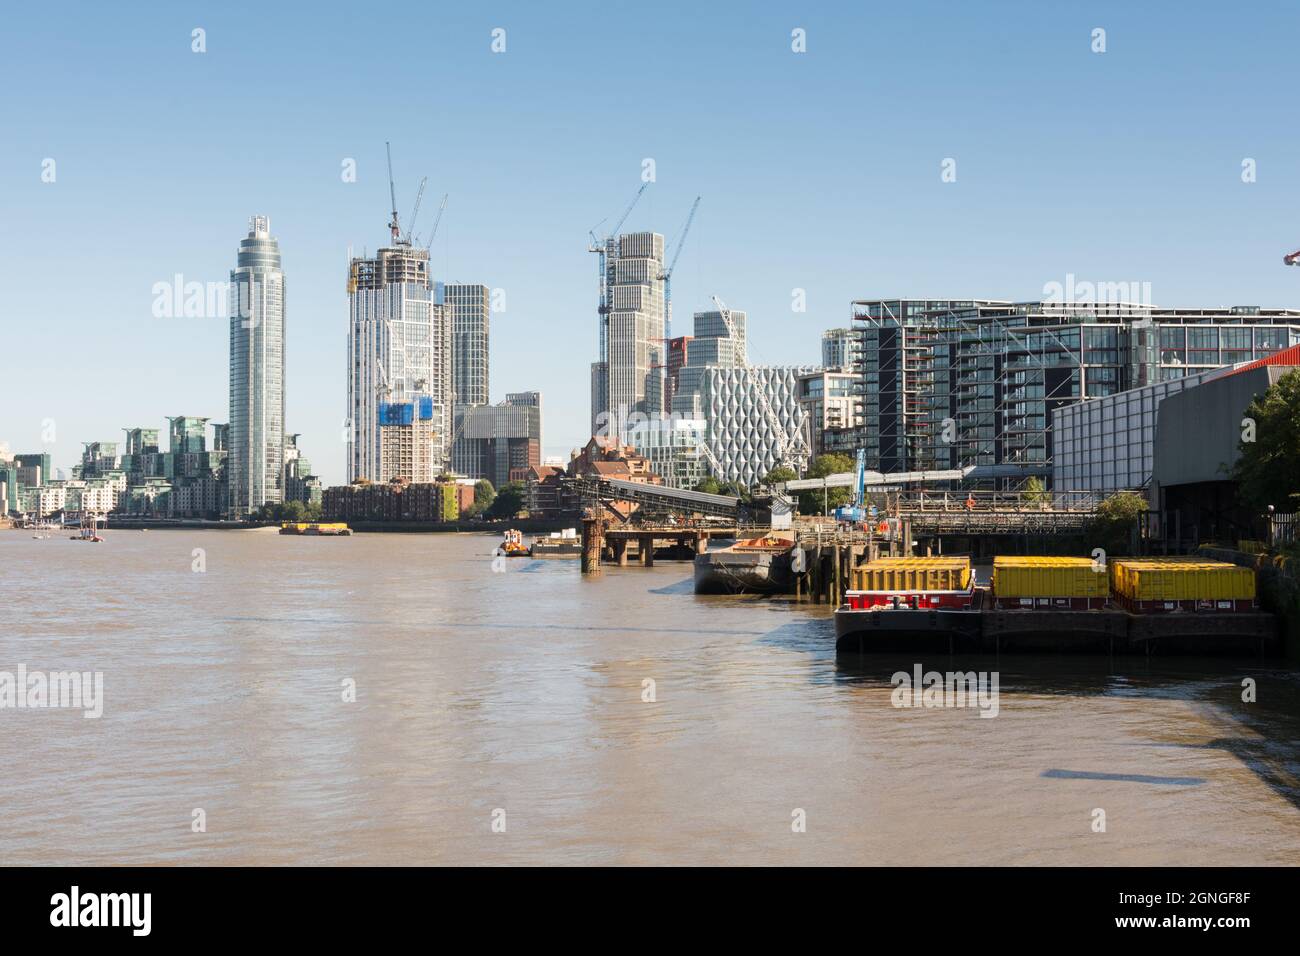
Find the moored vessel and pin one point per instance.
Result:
(558, 544)
(314, 528)
(752, 566)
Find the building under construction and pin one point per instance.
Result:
(399, 346)
(947, 384)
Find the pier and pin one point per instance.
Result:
(617, 544)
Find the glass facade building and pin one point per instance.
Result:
(629, 375)
(948, 384)
(255, 467)
(1107, 444)
(468, 306)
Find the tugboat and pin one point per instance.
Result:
(513, 546)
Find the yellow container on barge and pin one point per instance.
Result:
(1181, 579)
(913, 574)
(315, 528)
(1039, 576)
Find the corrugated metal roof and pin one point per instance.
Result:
(1289, 357)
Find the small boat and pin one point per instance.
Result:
(513, 546)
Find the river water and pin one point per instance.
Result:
(500, 717)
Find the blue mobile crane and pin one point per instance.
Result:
(854, 513)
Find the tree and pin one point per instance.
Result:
(484, 494)
(823, 502)
(1034, 492)
(508, 501)
(780, 475)
(1268, 469)
(709, 485)
(1117, 516)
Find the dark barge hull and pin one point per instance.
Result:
(1112, 631)
(905, 629)
(743, 572)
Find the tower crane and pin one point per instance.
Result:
(419, 194)
(436, 221)
(393, 226)
(790, 453)
(667, 275)
(603, 247)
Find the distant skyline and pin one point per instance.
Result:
(819, 171)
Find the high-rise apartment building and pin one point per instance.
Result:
(469, 309)
(628, 376)
(399, 349)
(838, 348)
(255, 467)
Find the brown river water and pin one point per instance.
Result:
(515, 698)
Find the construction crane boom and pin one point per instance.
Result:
(419, 194)
(667, 276)
(602, 247)
(436, 221)
(628, 211)
(392, 194)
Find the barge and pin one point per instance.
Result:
(1074, 604)
(558, 544)
(316, 528)
(753, 566)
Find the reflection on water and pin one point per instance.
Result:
(617, 720)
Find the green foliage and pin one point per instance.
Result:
(1117, 516)
(1034, 492)
(508, 501)
(735, 489)
(1268, 471)
(779, 475)
(484, 495)
(709, 485)
(289, 511)
(825, 502)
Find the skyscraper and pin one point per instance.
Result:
(399, 349)
(468, 307)
(629, 376)
(255, 467)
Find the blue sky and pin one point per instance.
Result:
(818, 171)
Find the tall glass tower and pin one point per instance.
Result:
(255, 464)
